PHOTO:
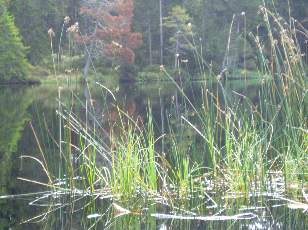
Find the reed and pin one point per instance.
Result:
(242, 144)
(287, 93)
(247, 142)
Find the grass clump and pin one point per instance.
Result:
(243, 145)
(134, 167)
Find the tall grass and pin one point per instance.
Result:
(284, 102)
(242, 143)
(247, 142)
(134, 161)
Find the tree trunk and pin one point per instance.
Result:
(162, 117)
(176, 53)
(87, 65)
(88, 62)
(161, 32)
(150, 44)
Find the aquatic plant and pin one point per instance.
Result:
(243, 145)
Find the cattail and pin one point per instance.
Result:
(92, 102)
(189, 26)
(67, 20)
(51, 33)
(74, 28)
(162, 68)
(184, 60)
(116, 45)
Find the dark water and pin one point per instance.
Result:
(21, 108)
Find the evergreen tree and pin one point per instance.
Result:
(13, 63)
(35, 17)
(179, 25)
(146, 21)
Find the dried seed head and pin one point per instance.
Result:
(116, 44)
(74, 28)
(184, 60)
(189, 26)
(162, 68)
(67, 20)
(51, 33)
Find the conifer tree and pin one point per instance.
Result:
(13, 64)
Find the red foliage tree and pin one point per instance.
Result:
(113, 27)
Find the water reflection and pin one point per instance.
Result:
(21, 105)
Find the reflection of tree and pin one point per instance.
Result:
(13, 114)
(129, 109)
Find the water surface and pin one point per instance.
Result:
(23, 107)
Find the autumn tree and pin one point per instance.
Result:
(112, 32)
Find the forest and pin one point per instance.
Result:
(134, 36)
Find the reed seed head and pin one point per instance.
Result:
(162, 68)
(67, 20)
(51, 33)
(74, 28)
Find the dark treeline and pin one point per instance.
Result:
(169, 28)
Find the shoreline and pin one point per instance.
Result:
(20, 82)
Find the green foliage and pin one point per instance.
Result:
(146, 21)
(178, 20)
(151, 73)
(13, 63)
(134, 163)
(179, 27)
(14, 116)
(35, 17)
(210, 20)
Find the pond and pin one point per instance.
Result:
(30, 126)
